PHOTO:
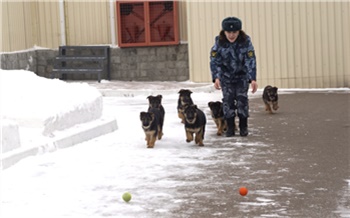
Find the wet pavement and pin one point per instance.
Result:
(296, 163)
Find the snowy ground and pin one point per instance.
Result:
(37, 106)
(88, 180)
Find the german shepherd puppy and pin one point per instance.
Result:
(151, 126)
(155, 102)
(217, 113)
(184, 101)
(270, 98)
(195, 121)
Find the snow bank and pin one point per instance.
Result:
(37, 102)
(9, 135)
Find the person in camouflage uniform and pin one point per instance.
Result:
(233, 68)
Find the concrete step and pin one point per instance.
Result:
(63, 139)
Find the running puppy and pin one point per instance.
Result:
(183, 101)
(270, 98)
(155, 102)
(195, 121)
(217, 113)
(151, 126)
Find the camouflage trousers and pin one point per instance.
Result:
(235, 98)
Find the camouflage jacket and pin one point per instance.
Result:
(231, 61)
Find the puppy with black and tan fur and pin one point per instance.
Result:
(270, 98)
(151, 126)
(183, 101)
(155, 102)
(217, 113)
(195, 122)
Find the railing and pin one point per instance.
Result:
(82, 60)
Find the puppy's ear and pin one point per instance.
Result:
(181, 90)
(148, 97)
(195, 106)
(210, 103)
(275, 89)
(142, 114)
(160, 96)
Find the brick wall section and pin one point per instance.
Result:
(161, 63)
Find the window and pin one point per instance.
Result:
(147, 23)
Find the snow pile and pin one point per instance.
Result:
(36, 102)
(9, 135)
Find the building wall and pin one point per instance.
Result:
(27, 24)
(298, 44)
(301, 44)
(31, 40)
(87, 23)
(183, 21)
(46, 24)
(161, 63)
(16, 26)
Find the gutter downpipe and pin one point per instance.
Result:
(62, 23)
(112, 21)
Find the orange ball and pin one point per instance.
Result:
(243, 191)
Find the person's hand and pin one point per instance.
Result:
(217, 84)
(254, 85)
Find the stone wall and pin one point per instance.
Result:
(161, 63)
(26, 60)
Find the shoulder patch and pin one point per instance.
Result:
(250, 54)
(213, 53)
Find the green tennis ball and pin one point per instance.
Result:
(126, 196)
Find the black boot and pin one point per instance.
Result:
(230, 127)
(243, 126)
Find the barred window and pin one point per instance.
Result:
(147, 23)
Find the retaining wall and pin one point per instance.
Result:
(161, 63)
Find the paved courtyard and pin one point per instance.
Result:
(295, 163)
